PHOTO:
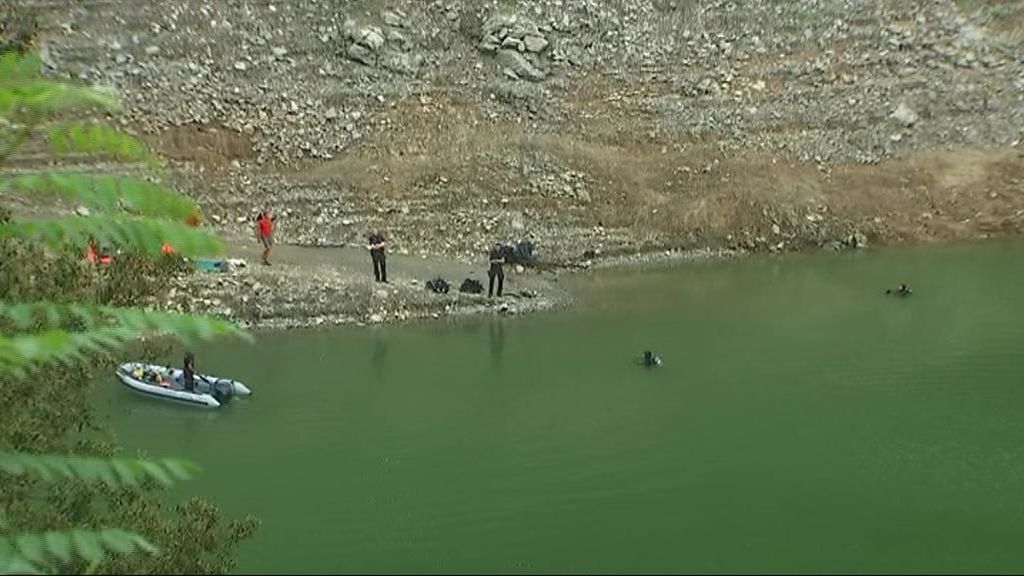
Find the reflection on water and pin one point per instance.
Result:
(379, 356)
(496, 332)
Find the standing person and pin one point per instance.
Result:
(376, 246)
(265, 232)
(188, 372)
(497, 258)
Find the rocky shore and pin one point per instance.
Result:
(309, 287)
(602, 131)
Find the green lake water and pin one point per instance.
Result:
(802, 421)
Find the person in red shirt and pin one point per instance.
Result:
(97, 254)
(265, 232)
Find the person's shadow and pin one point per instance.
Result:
(497, 340)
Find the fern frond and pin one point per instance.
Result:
(186, 327)
(115, 472)
(83, 137)
(145, 235)
(17, 66)
(38, 98)
(35, 553)
(105, 192)
(21, 352)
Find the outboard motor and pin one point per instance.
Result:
(222, 390)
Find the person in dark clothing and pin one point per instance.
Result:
(376, 246)
(189, 372)
(497, 259)
(651, 359)
(903, 290)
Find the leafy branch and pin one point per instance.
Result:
(114, 472)
(105, 192)
(34, 553)
(146, 235)
(106, 327)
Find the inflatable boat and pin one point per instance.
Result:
(166, 382)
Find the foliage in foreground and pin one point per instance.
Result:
(68, 503)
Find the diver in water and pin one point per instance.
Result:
(903, 290)
(651, 359)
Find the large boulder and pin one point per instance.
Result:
(904, 115)
(403, 63)
(535, 43)
(371, 37)
(521, 66)
(361, 54)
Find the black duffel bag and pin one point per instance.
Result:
(471, 286)
(438, 285)
(524, 252)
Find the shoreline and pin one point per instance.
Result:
(310, 293)
(290, 296)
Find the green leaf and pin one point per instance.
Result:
(129, 322)
(84, 469)
(118, 540)
(6, 551)
(106, 472)
(156, 472)
(181, 469)
(31, 546)
(35, 550)
(18, 565)
(125, 473)
(59, 544)
(16, 66)
(144, 235)
(87, 545)
(35, 99)
(115, 471)
(94, 138)
(12, 464)
(59, 465)
(11, 562)
(145, 545)
(105, 192)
